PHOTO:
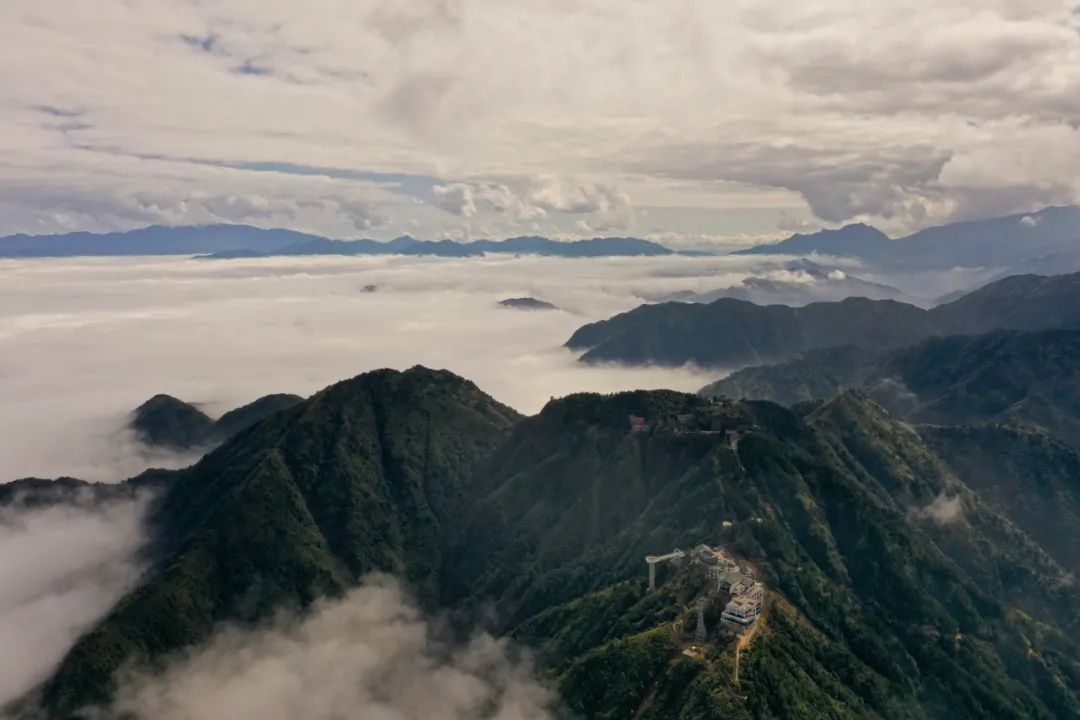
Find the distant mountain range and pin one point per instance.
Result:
(732, 333)
(243, 241)
(893, 588)
(156, 240)
(1007, 242)
(1047, 241)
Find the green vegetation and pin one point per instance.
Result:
(731, 333)
(896, 589)
(163, 420)
(1029, 477)
(1009, 377)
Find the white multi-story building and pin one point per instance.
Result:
(741, 611)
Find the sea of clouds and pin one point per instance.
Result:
(83, 341)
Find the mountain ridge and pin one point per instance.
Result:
(876, 606)
(730, 333)
(1001, 241)
(227, 241)
(165, 421)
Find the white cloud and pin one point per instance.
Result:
(792, 277)
(84, 341)
(371, 654)
(63, 567)
(456, 199)
(943, 510)
(529, 199)
(905, 114)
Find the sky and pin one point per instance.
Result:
(693, 122)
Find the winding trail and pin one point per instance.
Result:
(744, 640)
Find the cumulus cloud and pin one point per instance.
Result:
(63, 567)
(834, 102)
(529, 199)
(840, 178)
(456, 199)
(371, 654)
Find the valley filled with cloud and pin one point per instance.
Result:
(87, 340)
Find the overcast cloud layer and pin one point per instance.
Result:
(692, 119)
(369, 655)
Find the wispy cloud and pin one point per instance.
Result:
(63, 568)
(369, 654)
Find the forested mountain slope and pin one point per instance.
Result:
(1031, 378)
(731, 333)
(893, 589)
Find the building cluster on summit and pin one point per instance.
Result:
(747, 595)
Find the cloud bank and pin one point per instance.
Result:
(84, 341)
(369, 655)
(62, 568)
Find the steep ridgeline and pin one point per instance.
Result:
(167, 422)
(357, 478)
(1031, 378)
(894, 591)
(730, 333)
